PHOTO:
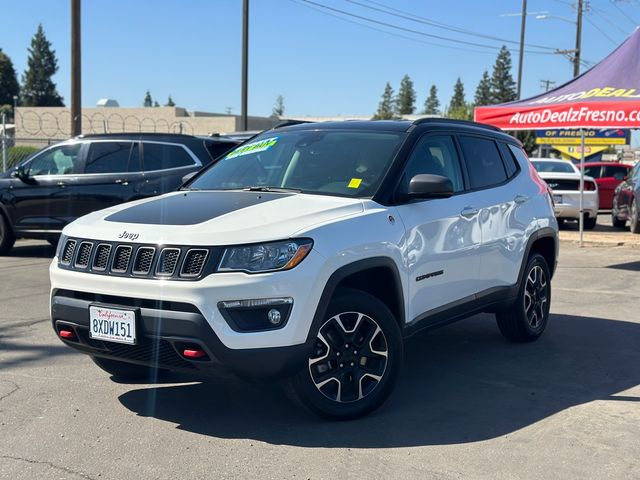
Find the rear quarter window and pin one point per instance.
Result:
(161, 156)
(483, 160)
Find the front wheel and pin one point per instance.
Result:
(526, 320)
(615, 221)
(7, 239)
(356, 358)
(127, 371)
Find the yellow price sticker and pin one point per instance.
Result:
(355, 183)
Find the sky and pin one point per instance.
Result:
(322, 61)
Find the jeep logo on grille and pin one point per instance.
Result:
(553, 185)
(128, 235)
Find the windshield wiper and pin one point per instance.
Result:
(270, 189)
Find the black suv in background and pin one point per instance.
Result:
(70, 179)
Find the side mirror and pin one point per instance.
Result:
(188, 177)
(429, 186)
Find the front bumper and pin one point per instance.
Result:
(164, 330)
(569, 207)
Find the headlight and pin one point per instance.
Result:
(61, 242)
(265, 257)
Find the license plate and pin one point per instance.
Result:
(112, 324)
(557, 199)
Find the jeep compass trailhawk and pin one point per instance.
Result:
(310, 253)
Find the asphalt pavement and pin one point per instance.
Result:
(469, 404)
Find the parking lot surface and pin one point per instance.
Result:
(468, 405)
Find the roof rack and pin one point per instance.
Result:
(129, 134)
(420, 121)
(288, 123)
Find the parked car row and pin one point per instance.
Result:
(58, 184)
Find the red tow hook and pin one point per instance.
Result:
(67, 334)
(194, 353)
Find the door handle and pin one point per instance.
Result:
(61, 184)
(469, 212)
(520, 199)
(122, 182)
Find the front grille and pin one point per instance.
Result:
(168, 261)
(101, 259)
(67, 253)
(84, 253)
(193, 263)
(144, 260)
(121, 259)
(139, 261)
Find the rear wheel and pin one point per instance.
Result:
(356, 358)
(127, 371)
(634, 221)
(615, 221)
(589, 222)
(7, 239)
(526, 320)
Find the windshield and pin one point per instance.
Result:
(332, 162)
(553, 167)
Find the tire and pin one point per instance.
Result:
(127, 371)
(528, 317)
(356, 359)
(634, 220)
(590, 223)
(7, 239)
(616, 222)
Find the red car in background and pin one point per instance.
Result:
(608, 176)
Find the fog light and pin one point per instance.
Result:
(274, 316)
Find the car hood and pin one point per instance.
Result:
(563, 176)
(213, 217)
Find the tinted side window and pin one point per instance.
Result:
(108, 157)
(218, 149)
(592, 171)
(60, 160)
(436, 155)
(158, 156)
(483, 162)
(615, 171)
(510, 163)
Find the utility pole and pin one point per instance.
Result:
(76, 78)
(547, 84)
(576, 58)
(523, 24)
(245, 67)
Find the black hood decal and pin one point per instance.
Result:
(190, 208)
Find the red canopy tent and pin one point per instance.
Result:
(606, 96)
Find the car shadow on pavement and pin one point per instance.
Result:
(40, 250)
(631, 266)
(460, 384)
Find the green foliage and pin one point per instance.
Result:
(458, 101)
(38, 89)
(386, 106)
(528, 139)
(406, 99)
(155, 103)
(7, 110)
(8, 82)
(461, 112)
(503, 87)
(148, 101)
(278, 108)
(483, 92)
(432, 104)
(16, 154)
(170, 102)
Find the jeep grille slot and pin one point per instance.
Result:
(67, 253)
(101, 259)
(193, 263)
(84, 253)
(143, 261)
(167, 261)
(121, 259)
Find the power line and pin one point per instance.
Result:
(409, 30)
(628, 17)
(547, 84)
(398, 35)
(604, 34)
(426, 21)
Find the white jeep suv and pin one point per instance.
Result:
(310, 252)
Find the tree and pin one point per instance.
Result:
(406, 99)
(155, 103)
(461, 112)
(170, 102)
(457, 100)
(148, 101)
(385, 107)
(503, 88)
(483, 92)
(432, 104)
(8, 82)
(38, 89)
(278, 108)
